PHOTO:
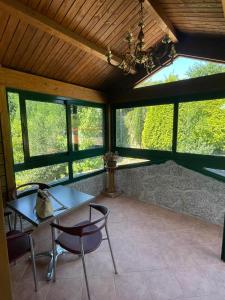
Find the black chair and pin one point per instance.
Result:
(19, 243)
(34, 186)
(82, 238)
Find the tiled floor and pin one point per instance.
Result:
(160, 255)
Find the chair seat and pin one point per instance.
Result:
(72, 243)
(17, 247)
(12, 232)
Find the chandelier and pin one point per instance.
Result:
(137, 55)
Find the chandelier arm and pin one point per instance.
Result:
(136, 53)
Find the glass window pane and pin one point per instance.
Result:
(87, 127)
(87, 165)
(46, 174)
(46, 124)
(16, 130)
(201, 127)
(149, 127)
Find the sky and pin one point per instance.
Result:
(179, 67)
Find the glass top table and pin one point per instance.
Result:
(69, 198)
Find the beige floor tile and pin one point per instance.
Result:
(163, 285)
(65, 289)
(25, 291)
(160, 255)
(132, 286)
(101, 288)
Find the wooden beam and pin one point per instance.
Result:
(7, 143)
(47, 25)
(185, 90)
(20, 80)
(223, 4)
(5, 283)
(162, 20)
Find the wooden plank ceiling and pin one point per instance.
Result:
(195, 16)
(27, 48)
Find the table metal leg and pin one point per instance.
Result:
(59, 251)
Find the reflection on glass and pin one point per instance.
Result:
(87, 165)
(87, 127)
(201, 127)
(147, 127)
(46, 124)
(16, 130)
(44, 174)
(130, 160)
(216, 171)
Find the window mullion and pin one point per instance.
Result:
(69, 139)
(25, 137)
(175, 127)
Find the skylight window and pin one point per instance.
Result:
(182, 68)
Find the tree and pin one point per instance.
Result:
(203, 69)
(134, 122)
(158, 128)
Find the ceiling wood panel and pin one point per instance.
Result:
(195, 15)
(26, 47)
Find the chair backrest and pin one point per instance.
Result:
(34, 187)
(87, 229)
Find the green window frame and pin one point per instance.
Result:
(197, 162)
(70, 155)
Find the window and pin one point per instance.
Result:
(87, 127)
(54, 139)
(47, 174)
(46, 124)
(201, 127)
(182, 68)
(149, 127)
(16, 131)
(87, 165)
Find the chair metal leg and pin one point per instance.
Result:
(110, 248)
(9, 223)
(54, 254)
(21, 223)
(89, 213)
(85, 272)
(15, 221)
(33, 262)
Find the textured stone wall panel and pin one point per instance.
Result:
(92, 185)
(173, 186)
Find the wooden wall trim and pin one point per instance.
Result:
(7, 145)
(184, 89)
(5, 283)
(24, 81)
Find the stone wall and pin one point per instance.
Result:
(92, 185)
(175, 187)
